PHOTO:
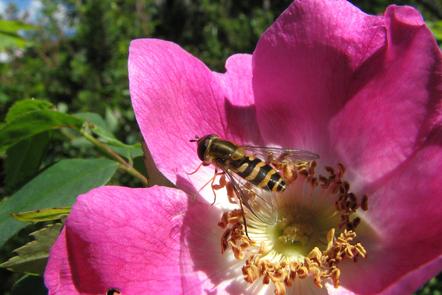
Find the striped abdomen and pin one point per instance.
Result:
(257, 172)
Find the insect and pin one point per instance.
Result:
(245, 165)
(113, 291)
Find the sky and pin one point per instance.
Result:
(33, 9)
(32, 6)
(21, 4)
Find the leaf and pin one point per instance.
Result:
(112, 119)
(24, 106)
(29, 117)
(32, 123)
(436, 28)
(23, 160)
(10, 34)
(47, 214)
(126, 150)
(14, 26)
(57, 186)
(93, 118)
(32, 257)
(97, 125)
(9, 40)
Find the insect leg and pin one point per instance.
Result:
(231, 193)
(213, 185)
(270, 158)
(244, 219)
(222, 183)
(196, 170)
(210, 180)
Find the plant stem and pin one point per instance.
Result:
(124, 165)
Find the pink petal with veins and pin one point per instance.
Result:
(395, 100)
(414, 279)
(302, 69)
(365, 92)
(176, 97)
(405, 213)
(239, 106)
(140, 241)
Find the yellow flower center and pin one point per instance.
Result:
(303, 232)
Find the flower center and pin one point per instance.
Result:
(295, 234)
(305, 231)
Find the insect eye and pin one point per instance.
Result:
(113, 291)
(202, 147)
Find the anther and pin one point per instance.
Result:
(364, 203)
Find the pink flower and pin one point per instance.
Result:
(360, 90)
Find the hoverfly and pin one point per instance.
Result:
(244, 166)
(113, 291)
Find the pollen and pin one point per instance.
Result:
(312, 231)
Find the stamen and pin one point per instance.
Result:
(297, 246)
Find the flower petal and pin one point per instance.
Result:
(415, 279)
(396, 100)
(237, 82)
(139, 241)
(303, 65)
(240, 108)
(331, 290)
(405, 211)
(176, 97)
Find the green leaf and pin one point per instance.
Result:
(14, 26)
(32, 123)
(126, 150)
(57, 186)
(436, 28)
(9, 40)
(23, 160)
(32, 257)
(10, 34)
(93, 118)
(47, 214)
(97, 125)
(112, 118)
(24, 106)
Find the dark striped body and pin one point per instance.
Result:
(228, 156)
(257, 172)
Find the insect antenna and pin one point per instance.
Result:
(195, 139)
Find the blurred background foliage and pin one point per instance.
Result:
(74, 54)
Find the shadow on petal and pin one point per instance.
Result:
(201, 244)
(242, 124)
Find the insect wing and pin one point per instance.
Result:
(251, 196)
(270, 154)
(238, 188)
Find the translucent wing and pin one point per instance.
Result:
(280, 154)
(257, 202)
